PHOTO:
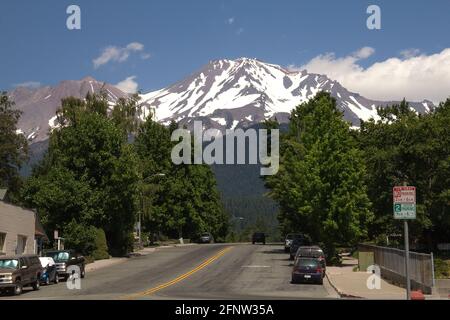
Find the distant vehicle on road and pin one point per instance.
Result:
(307, 270)
(259, 237)
(288, 241)
(297, 243)
(49, 274)
(66, 258)
(20, 271)
(206, 238)
(312, 252)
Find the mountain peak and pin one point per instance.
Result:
(238, 93)
(88, 78)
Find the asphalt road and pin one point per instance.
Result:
(217, 271)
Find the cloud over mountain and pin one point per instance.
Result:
(414, 76)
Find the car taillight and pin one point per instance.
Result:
(319, 270)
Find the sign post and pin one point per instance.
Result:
(405, 209)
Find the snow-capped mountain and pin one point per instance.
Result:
(223, 94)
(39, 105)
(238, 93)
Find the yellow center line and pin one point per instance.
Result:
(179, 278)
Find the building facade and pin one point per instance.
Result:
(18, 230)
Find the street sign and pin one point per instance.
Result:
(404, 202)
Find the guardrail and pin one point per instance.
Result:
(392, 264)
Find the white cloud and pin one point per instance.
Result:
(129, 85)
(28, 84)
(146, 56)
(414, 77)
(119, 54)
(409, 53)
(364, 53)
(230, 20)
(240, 31)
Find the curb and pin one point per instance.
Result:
(340, 292)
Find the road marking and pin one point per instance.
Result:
(179, 278)
(256, 266)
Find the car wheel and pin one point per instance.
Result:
(320, 281)
(36, 285)
(17, 290)
(56, 279)
(47, 281)
(291, 257)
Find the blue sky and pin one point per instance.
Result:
(179, 37)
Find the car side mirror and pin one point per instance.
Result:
(73, 258)
(24, 267)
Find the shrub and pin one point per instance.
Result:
(441, 268)
(101, 247)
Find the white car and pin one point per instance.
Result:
(49, 274)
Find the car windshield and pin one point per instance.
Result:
(310, 253)
(9, 264)
(58, 256)
(306, 263)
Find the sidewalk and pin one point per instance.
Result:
(351, 284)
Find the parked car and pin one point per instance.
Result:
(206, 238)
(49, 274)
(288, 240)
(312, 252)
(297, 243)
(259, 237)
(65, 259)
(307, 270)
(20, 271)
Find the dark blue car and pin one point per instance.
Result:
(307, 270)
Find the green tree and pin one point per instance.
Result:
(403, 146)
(185, 202)
(13, 147)
(89, 174)
(321, 182)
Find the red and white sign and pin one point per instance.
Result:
(405, 195)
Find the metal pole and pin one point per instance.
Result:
(432, 269)
(408, 280)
